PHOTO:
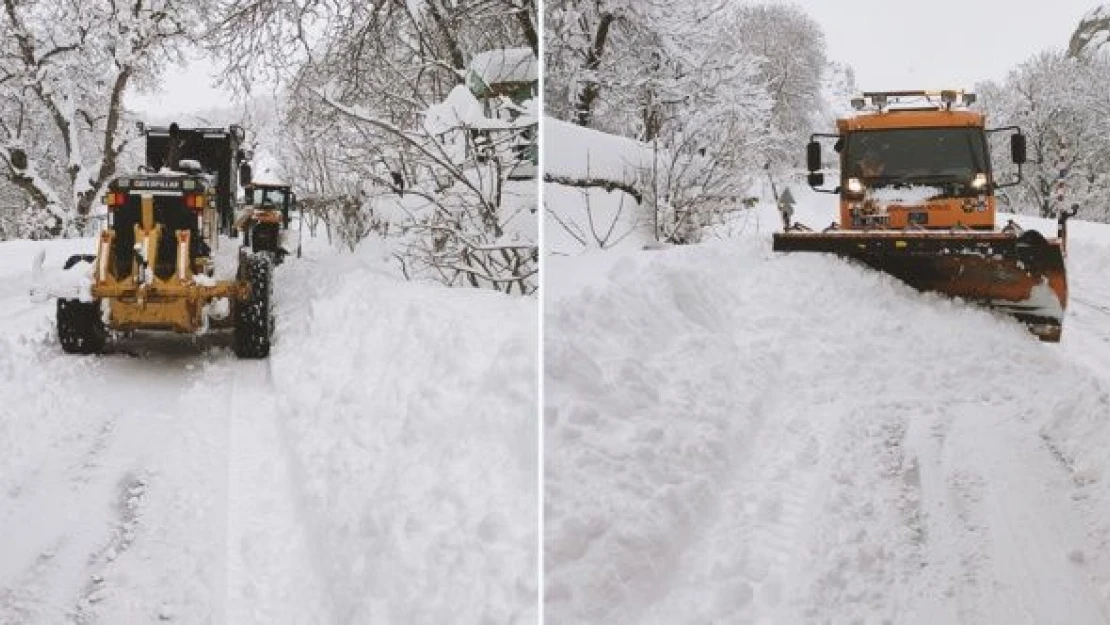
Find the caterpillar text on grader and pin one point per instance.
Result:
(917, 201)
(153, 268)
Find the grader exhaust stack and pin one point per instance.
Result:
(917, 201)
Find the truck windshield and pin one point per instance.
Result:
(948, 158)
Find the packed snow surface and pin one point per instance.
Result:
(738, 436)
(379, 468)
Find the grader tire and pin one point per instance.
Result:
(254, 318)
(80, 327)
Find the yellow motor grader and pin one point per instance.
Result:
(154, 269)
(917, 201)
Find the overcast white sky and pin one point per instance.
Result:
(932, 44)
(184, 90)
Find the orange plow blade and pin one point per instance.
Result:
(1020, 274)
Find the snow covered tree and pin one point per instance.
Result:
(64, 70)
(1063, 104)
(1091, 33)
(722, 93)
(361, 82)
(710, 138)
(838, 86)
(615, 65)
(790, 48)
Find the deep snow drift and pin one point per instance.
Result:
(734, 435)
(380, 467)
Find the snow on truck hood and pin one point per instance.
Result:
(911, 196)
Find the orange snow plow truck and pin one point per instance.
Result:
(917, 201)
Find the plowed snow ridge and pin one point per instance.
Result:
(744, 437)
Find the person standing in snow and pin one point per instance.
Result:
(786, 207)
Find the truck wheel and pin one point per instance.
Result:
(80, 328)
(254, 319)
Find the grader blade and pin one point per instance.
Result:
(1022, 274)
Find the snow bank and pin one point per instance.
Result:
(573, 151)
(591, 218)
(412, 409)
(734, 435)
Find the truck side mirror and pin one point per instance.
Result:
(1017, 148)
(813, 157)
(245, 174)
(816, 179)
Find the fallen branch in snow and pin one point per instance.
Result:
(587, 183)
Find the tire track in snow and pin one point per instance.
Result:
(738, 566)
(124, 526)
(119, 427)
(54, 519)
(866, 527)
(1042, 535)
(953, 556)
(1086, 343)
(158, 459)
(275, 572)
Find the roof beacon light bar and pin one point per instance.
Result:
(882, 100)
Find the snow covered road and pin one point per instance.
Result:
(735, 436)
(378, 468)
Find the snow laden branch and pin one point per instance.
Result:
(66, 69)
(595, 183)
(458, 223)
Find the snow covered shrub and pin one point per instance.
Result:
(697, 181)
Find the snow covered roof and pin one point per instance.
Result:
(505, 66)
(459, 109)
